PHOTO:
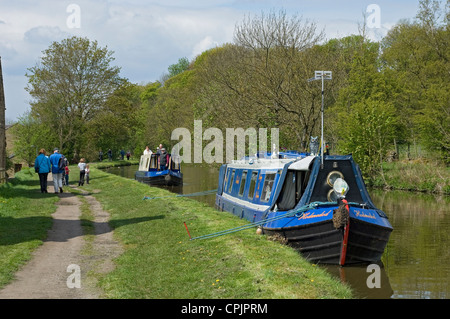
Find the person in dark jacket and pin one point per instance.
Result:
(163, 159)
(42, 166)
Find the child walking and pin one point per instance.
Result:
(66, 175)
(82, 166)
(86, 172)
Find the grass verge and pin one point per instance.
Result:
(161, 262)
(25, 217)
(417, 175)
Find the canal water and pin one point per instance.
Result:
(416, 262)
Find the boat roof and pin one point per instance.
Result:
(300, 162)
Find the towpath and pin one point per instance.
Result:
(59, 268)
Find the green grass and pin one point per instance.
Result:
(159, 261)
(415, 175)
(25, 217)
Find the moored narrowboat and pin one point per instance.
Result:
(150, 172)
(321, 209)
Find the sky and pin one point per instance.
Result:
(147, 36)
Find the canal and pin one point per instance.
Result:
(416, 262)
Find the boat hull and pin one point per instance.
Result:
(322, 243)
(315, 236)
(160, 178)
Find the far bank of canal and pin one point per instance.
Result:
(417, 259)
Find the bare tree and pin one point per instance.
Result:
(261, 80)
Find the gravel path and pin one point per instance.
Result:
(59, 268)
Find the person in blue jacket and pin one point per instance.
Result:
(57, 172)
(42, 166)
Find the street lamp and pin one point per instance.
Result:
(321, 75)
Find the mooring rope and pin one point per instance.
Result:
(212, 191)
(298, 212)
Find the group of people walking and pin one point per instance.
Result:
(58, 165)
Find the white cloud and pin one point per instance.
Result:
(205, 44)
(44, 34)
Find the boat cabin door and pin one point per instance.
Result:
(293, 189)
(144, 163)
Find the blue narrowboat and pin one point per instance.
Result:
(150, 173)
(320, 207)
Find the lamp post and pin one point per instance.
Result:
(321, 75)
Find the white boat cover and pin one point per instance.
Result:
(303, 164)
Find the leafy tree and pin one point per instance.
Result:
(30, 136)
(416, 54)
(172, 109)
(70, 86)
(180, 67)
(117, 125)
(368, 129)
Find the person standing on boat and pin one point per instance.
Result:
(163, 159)
(147, 151)
(159, 149)
(42, 166)
(57, 170)
(82, 166)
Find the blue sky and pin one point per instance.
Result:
(148, 36)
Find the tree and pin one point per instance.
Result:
(30, 136)
(175, 69)
(416, 54)
(70, 86)
(261, 79)
(368, 129)
(180, 67)
(116, 126)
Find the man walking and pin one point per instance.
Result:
(56, 170)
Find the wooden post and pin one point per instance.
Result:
(2, 129)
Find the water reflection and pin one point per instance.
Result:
(417, 257)
(416, 260)
(367, 283)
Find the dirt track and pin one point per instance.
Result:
(54, 268)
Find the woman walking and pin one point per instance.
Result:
(82, 166)
(42, 166)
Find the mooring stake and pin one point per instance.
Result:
(187, 231)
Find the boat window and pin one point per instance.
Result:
(230, 182)
(175, 165)
(243, 180)
(332, 176)
(251, 191)
(154, 161)
(267, 187)
(225, 180)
